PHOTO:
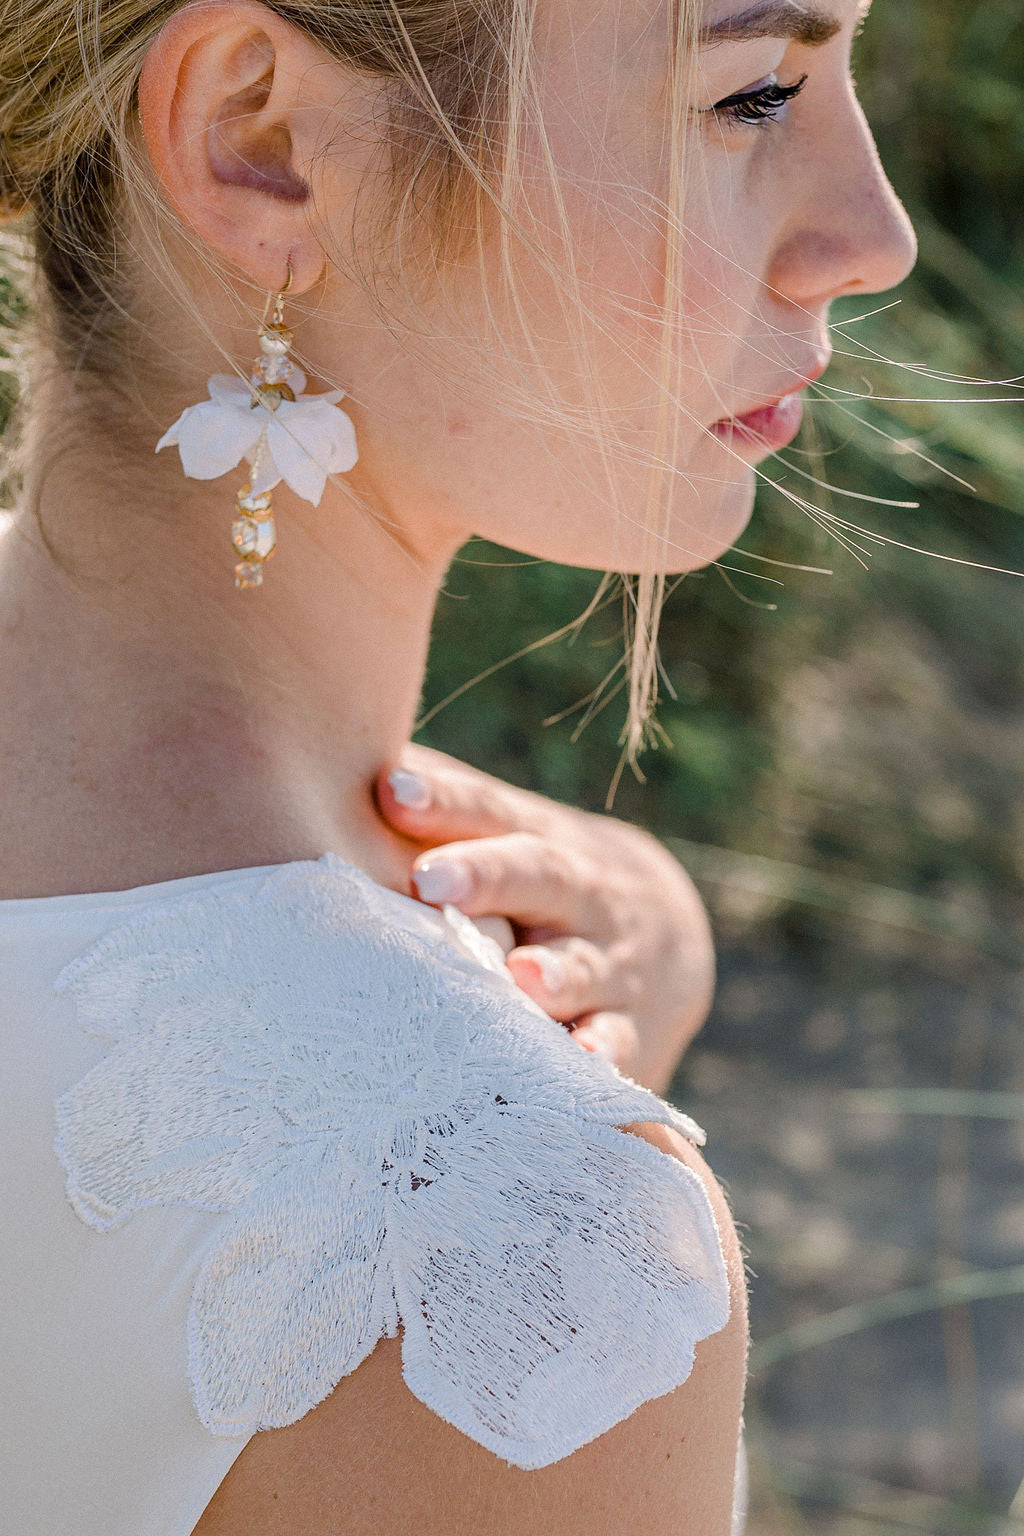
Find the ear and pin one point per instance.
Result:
(230, 116)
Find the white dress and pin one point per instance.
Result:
(251, 1123)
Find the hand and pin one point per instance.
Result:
(608, 932)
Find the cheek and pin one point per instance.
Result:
(721, 267)
(440, 455)
(715, 302)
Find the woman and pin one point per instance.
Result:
(323, 1171)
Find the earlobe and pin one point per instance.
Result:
(216, 99)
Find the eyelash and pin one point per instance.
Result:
(764, 104)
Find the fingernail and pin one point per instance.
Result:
(445, 880)
(409, 789)
(596, 1044)
(552, 969)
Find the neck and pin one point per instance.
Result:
(178, 725)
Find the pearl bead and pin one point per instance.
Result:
(275, 340)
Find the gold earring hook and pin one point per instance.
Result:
(278, 298)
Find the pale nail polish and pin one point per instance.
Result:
(409, 789)
(445, 880)
(552, 970)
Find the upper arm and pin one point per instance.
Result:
(373, 1461)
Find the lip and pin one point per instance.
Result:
(774, 424)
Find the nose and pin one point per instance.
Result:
(847, 232)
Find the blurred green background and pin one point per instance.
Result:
(844, 779)
(843, 776)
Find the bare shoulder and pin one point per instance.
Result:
(668, 1140)
(373, 1461)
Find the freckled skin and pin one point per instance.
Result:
(774, 233)
(780, 221)
(152, 727)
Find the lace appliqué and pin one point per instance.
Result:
(400, 1138)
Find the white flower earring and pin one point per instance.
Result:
(281, 437)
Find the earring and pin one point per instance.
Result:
(281, 434)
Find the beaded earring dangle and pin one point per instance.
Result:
(281, 433)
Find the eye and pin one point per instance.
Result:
(765, 102)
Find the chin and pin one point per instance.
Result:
(708, 527)
(702, 528)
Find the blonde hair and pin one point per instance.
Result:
(460, 85)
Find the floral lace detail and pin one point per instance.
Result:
(400, 1138)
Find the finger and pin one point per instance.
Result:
(436, 799)
(569, 978)
(499, 929)
(529, 879)
(613, 1036)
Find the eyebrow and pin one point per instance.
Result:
(774, 18)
